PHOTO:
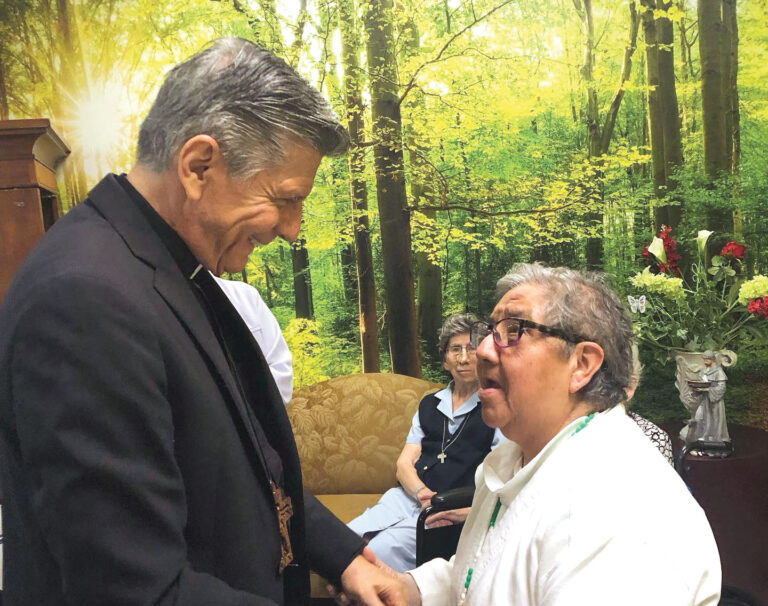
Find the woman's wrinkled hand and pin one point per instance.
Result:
(447, 518)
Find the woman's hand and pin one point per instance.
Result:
(424, 495)
(401, 589)
(447, 518)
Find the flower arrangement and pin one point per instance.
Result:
(713, 309)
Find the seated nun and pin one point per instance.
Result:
(446, 443)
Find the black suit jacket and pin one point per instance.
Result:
(130, 468)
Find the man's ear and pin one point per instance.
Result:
(586, 360)
(197, 161)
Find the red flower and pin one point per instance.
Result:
(759, 306)
(670, 247)
(733, 249)
(672, 266)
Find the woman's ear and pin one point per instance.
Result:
(198, 161)
(586, 358)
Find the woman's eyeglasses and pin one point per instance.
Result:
(508, 331)
(458, 351)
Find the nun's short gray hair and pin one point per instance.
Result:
(455, 325)
(585, 308)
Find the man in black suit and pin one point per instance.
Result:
(147, 457)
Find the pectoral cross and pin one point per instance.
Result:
(442, 456)
(284, 513)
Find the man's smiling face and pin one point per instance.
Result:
(233, 215)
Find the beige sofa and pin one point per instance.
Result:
(349, 432)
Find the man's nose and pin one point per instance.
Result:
(290, 221)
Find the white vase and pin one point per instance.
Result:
(706, 406)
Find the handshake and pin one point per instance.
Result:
(370, 582)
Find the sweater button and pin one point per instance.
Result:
(426, 467)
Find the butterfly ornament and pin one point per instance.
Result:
(637, 304)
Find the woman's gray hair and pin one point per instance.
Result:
(248, 99)
(582, 305)
(455, 325)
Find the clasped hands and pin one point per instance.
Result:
(367, 581)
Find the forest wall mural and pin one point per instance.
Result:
(485, 132)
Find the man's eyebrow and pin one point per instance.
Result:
(293, 192)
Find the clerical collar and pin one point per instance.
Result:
(179, 250)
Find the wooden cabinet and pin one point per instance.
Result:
(30, 152)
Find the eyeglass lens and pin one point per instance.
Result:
(458, 350)
(506, 332)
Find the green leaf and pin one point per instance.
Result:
(717, 261)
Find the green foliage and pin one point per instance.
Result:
(317, 354)
(495, 122)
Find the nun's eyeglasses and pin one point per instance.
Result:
(508, 331)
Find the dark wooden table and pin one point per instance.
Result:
(734, 494)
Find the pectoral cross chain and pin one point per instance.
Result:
(442, 456)
(284, 512)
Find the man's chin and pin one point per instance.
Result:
(231, 266)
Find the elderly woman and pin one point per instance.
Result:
(447, 442)
(579, 508)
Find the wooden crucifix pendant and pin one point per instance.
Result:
(284, 512)
(442, 456)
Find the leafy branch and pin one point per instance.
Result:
(437, 58)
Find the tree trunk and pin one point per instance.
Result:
(4, 109)
(599, 139)
(298, 35)
(655, 120)
(733, 120)
(713, 106)
(670, 117)
(663, 112)
(390, 188)
(626, 70)
(712, 102)
(366, 286)
(302, 281)
(268, 280)
(687, 71)
(732, 90)
(430, 300)
(594, 248)
(428, 272)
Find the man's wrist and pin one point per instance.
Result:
(418, 490)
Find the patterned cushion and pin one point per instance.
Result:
(350, 430)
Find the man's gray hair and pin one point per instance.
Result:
(455, 325)
(248, 99)
(584, 306)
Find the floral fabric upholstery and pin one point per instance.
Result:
(350, 430)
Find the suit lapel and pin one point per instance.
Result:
(111, 200)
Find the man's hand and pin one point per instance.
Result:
(447, 518)
(403, 586)
(370, 582)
